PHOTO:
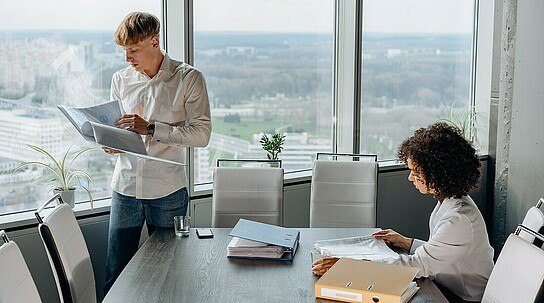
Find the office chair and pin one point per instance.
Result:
(519, 271)
(534, 219)
(67, 253)
(344, 193)
(250, 191)
(16, 283)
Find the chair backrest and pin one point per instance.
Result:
(248, 163)
(344, 193)
(67, 253)
(253, 193)
(534, 219)
(16, 283)
(518, 273)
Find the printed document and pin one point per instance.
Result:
(96, 124)
(366, 247)
(246, 248)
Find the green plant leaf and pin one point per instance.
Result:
(60, 172)
(466, 120)
(272, 146)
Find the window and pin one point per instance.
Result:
(415, 71)
(53, 53)
(269, 69)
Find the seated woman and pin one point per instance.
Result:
(457, 255)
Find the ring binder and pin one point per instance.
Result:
(286, 238)
(362, 281)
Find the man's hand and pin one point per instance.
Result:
(111, 151)
(132, 122)
(391, 237)
(321, 266)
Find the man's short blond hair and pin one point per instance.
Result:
(136, 27)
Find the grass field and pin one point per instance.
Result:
(249, 126)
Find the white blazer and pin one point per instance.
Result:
(458, 254)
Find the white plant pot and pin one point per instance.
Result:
(68, 196)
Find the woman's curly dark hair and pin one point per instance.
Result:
(447, 162)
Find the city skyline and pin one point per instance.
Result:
(272, 83)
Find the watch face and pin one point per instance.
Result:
(150, 129)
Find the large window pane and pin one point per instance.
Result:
(269, 68)
(52, 53)
(416, 68)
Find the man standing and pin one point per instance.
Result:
(166, 101)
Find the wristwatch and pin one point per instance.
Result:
(150, 129)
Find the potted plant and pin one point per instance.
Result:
(272, 146)
(60, 174)
(466, 120)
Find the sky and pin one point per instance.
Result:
(234, 15)
(70, 14)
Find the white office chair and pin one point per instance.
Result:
(534, 219)
(67, 253)
(16, 283)
(519, 271)
(253, 193)
(344, 193)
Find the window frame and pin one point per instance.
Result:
(347, 76)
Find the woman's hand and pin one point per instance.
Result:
(321, 266)
(391, 237)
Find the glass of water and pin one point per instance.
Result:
(182, 225)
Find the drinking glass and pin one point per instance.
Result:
(182, 225)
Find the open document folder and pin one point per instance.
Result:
(363, 281)
(364, 247)
(255, 240)
(96, 125)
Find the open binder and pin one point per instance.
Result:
(96, 124)
(363, 281)
(285, 238)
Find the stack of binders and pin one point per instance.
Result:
(255, 240)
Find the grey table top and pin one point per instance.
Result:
(174, 269)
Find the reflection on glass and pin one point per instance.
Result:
(51, 56)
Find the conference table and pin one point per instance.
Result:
(168, 268)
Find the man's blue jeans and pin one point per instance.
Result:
(126, 221)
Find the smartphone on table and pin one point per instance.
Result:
(204, 233)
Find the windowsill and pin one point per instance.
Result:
(27, 219)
